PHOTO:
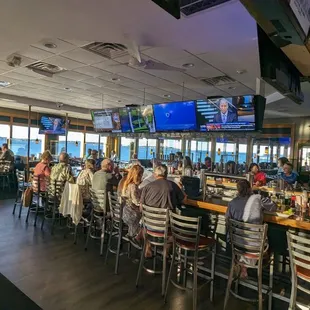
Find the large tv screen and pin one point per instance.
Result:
(137, 119)
(52, 125)
(107, 120)
(226, 114)
(175, 116)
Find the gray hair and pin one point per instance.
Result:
(161, 171)
(223, 100)
(64, 158)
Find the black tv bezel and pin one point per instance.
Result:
(179, 131)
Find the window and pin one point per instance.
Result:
(37, 142)
(242, 153)
(147, 148)
(103, 144)
(4, 133)
(91, 141)
(74, 146)
(19, 142)
(200, 150)
(127, 148)
(170, 146)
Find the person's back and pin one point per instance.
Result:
(101, 180)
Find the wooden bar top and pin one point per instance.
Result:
(268, 218)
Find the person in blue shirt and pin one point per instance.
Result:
(288, 175)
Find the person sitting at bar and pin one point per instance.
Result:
(248, 208)
(131, 195)
(62, 171)
(98, 161)
(7, 154)
(188, 166)
(88, 155)
(85, 179)
(259, 176)
(113, 156)
(288, 175)
(162, 193)
(42, 169)
(281, 162)
(208, 163)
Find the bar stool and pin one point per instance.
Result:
(191, 248)
(98, 216)
(249, 246)
(155, 223)
(21, 187)
(299, 250)
(118, 229)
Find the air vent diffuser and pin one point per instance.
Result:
(218, 80)
(107, 50)
(45, 69)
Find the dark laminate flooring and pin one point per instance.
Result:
(58, 275)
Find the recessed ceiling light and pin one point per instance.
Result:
(67, 88)
(241, 71)
(4, 84)
(119, 100)
(231, 87)
(188, 65)
(166, 96)
(50, 45)
(115, 79)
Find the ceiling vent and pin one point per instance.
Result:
(218, 80)
(189, 7)
(107, 50)
(45, 69)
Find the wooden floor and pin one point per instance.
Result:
(58, 275)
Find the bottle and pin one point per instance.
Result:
(287, 199)
(293, 203)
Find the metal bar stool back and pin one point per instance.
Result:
(98, 217)
(190, 248)
(155, 224)
(299, 250)
(249, 247)
(117, 228)
(21, 186)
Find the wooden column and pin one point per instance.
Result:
(213, 149)
(249, 150)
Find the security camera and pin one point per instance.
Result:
(14, 61)
(59, 105)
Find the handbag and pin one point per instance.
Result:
(27, 197)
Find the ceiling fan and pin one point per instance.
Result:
(136, 60)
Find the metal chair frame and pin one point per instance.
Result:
(155, 223)
(118, 229)
(188, 250)
(249, 240)
(21, 187)
(98, 213)
(299, 251)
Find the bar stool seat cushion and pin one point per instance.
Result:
(159, 234)
(204, 242)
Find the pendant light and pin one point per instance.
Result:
(37, 139)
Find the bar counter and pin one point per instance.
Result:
(216, 205)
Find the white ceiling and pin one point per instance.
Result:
(219, 41)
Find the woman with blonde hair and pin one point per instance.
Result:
(85, 178)
(42, 170)
(131, 194)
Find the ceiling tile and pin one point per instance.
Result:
(36, 53)
(27, 72)
(6, 78)
(76, 76)
(108, 63)
(88, 70)
(5, 66)
(64, 62)
(95, 82)
(18, 76)
(62, 46)
(83, 56)
(77, 43)
(165, 53)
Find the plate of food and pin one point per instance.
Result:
(285, 214)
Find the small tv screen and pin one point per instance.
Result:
(226, 114)
(125, 122)
(175, 116)
(107, 120)
(52, 125)
(148, 117)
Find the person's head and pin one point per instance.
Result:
(107, 165)
(254, 168)
(179, 155)
(89, 152)
(161, 171)
(90, 164)
(244, 188)
(56, 121)
(288, 168)
(5, 147)
(134, 176)
(112, 152)
(208, 161)
(223, 105)
(188, 162)
(64, 158)
(135, 156)
(94, 154)
(282, 161)
(46, 157)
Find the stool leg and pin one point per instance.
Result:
(37, 211)
(102, 235)
(212, 274)
(184, 268)
(195, 282)
(163, 280)
(141, 263)
(292, 305)
(119, 243)
(75, 233)
(16, 200)
(43, 220)
(28, 212)
(89, 230)
(154, 259)
(260, 286)
(270, 283)
(230, 279)
(109, 243)
(170, 271)
(20, 210)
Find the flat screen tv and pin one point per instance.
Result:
(125, 122)
(240, 113)
(52, 125)
(107, 120)
(175, 116)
